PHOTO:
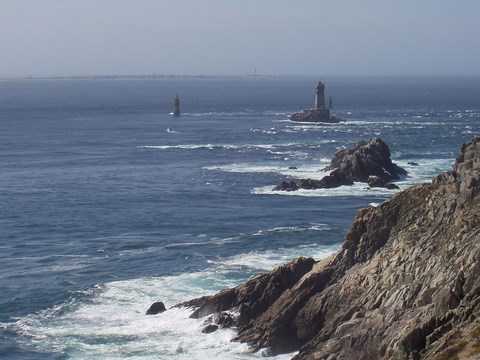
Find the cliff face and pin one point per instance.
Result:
(404, 285)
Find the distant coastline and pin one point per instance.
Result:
(113, 77)
(218, 76)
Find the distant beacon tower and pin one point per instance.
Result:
(320, 96)
(176, 107)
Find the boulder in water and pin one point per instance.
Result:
(286, 186)
(210, 328)
(156, 308)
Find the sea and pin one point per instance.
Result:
(108, 203)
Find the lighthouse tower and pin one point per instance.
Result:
(320, 96)
(320, 112)
(176, 107)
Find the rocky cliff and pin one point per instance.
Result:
(404, 285)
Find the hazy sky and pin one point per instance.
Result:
(277, 37)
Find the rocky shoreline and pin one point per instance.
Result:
(404, 285)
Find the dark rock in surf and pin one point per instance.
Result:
(210, 328)
(286, 186)
(392, 186)
(255, 296)
(309, 184)
(315, 116)
(156, 308)
(375, 181)
(220, 320)
(368, 158)
(224, 320)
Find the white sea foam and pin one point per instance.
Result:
(425, 171)
(109, 321)
(245, 112)
(113, 325)
(267, 260)
(181, 146)
(292, 229)
(268, 232)
(221, 113)
(300, 171)
(220, 146)
(357, 189)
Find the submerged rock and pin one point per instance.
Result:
(367, 159)
(404, 285)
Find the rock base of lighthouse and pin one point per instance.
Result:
(315, 115)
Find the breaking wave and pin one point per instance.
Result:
(109, 321)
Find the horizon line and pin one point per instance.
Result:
(153, 76)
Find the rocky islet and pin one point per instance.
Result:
(369, 162)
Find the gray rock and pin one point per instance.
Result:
(286, 186)
(316, 116)
(375, 181)
(367, 159)
(156, 308)
(404, 285)
(210, 328)
(392, 186)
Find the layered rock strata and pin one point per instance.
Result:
(369, 159)
(404, 285)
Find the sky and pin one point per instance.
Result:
(42, 38)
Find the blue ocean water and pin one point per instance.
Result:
(109, 204)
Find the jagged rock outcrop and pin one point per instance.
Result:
(255, 296)
(404, 285)
(367, 159)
